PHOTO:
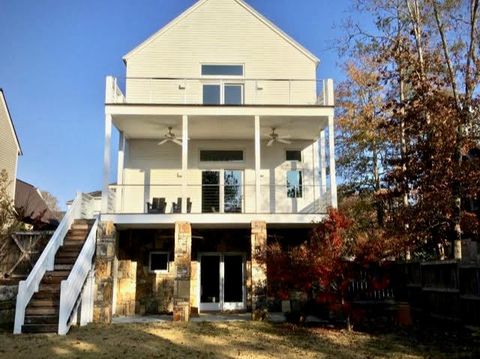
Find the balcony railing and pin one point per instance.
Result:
(218, 199)
(219, 91)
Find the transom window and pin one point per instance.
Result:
(222, 70)
(294, 155)
(294, 184)
(159, 262)
(221, 156)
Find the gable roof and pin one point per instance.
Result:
(12, 126)
(242, 3)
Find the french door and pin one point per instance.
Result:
(222, 281)
(222, 191)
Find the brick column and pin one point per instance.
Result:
(104, 276)
(183, 257)
(259, 270)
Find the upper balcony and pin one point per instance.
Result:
(217, 91)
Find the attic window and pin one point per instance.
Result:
(222, 70)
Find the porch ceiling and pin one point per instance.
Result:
(219, 127)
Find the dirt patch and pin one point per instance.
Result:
(218, 340)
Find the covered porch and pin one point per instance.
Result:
(189, 176)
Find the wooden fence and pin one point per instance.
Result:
(446, 290)
(19, 253)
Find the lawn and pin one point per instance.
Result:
(229, 340)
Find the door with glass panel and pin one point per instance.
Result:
(222, 281)
(222, 191)
(223, 94)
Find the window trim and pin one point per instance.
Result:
(300, 185)
(158, 270)
(221, 162)
(222, 76)
(296, 150)
(222, 85)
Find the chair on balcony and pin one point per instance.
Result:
(158, 205)
(177, 207)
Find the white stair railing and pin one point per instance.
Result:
(46, 261)
(71, 288)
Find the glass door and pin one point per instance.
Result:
(210, 282)
(233, 194)
(210, 191)
(233, 288)
(222, 281)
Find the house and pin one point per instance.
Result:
(9, 144)
(226, 141)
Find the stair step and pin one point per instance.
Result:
(63, 267)
(41, 311)
(65, 260)
(44, 303)
(72, 244)
(76, 238)
(41, 319)
(59, 273)
(49, 295)
(76, 226)
(40, 328)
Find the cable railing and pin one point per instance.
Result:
(218, 199)
(213, 91)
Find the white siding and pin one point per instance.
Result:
(8, 146)
(220, 32)
(160, 166)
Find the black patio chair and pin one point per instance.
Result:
(177, 207)
(158, 205)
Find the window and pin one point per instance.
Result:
(222, 70)
(223, 94)
(211, 95)
(294, 184)
(221, 156)
(294, 156)
(159, 262)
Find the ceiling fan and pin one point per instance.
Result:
(170, 137)
(275, 137)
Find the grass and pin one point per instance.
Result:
(230, 340)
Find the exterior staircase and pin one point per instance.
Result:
(42, 312)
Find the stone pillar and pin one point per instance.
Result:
(104, 276)
(259, 270)
(183, 257)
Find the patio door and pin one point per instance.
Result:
(222, 191)
(222, 282)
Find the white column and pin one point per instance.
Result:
(184, 162)
(121, 158)
(106, 162)
(323, 164)
(333, 176)
(257, 164)
(315, 167)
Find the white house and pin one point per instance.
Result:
(9, 145)
(226, 142)
(223, 123)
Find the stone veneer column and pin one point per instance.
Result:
(104, 276)
(183, 258)
(259, 270)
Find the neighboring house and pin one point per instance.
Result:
(226, 141)
(32, 208)
(9, 144)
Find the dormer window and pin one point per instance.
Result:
(226, 90)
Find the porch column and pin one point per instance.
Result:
(259, 270)
(331, 154)
(257, 165)
(323, 164)
(120, 166)
(104, 273)
(183, 258)
(106, 162)
(184, 163)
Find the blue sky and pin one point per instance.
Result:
(54, 56)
